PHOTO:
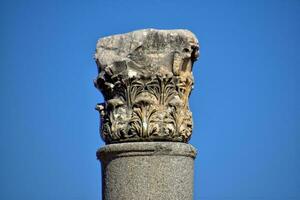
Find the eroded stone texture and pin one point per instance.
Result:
(146, 78)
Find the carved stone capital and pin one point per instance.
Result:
(146, 78)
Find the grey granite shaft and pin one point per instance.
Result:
(147, 171)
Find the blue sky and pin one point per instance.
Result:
(245, 101)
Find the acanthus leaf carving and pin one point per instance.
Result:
(142, 104)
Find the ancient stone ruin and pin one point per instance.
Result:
(146, 78)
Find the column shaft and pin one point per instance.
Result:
(147, 171)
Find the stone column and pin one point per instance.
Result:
(146, 78)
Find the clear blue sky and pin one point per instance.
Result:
(245, 101)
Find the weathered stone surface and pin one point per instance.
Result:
(147, 171)
(146, 78)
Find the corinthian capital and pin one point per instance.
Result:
(146, 78)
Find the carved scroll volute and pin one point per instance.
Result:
(146, 78)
